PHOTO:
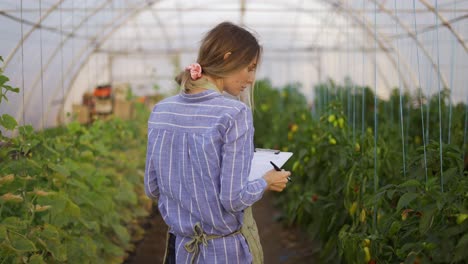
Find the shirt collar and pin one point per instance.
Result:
(211, 92)
(199, 97)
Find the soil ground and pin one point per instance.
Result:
(281, 245)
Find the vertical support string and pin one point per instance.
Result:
(440, 110)
(348, 89)
(42, 67)
(88, 64)
(96, 55)
(401, 101)
(22, 77)
(429, 103)
(452, 62)
(22, 62)
(420, 91)
(464, 132)
(61, 65)
(363, 102)
(73, 39)
(376, 178)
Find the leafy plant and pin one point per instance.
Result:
(4, 88)
(367, 199)
(72, 194)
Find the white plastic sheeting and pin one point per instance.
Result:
(55, 50)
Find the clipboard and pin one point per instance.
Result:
(261, 161)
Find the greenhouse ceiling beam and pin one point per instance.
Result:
(415, 39)
(445, 23)
(269, 56)
(432, 27)
(308, 49)
(427, 27)
(339, 4)
(26, 36)
(59, 48)
(275, 26)
(266, 10)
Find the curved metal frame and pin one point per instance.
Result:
(416, 40)
(445, 23)
(381, 45)
(26, 36)
(376, 65)
(377, 37)
(57, 49)
(86, 57)
(339, 5)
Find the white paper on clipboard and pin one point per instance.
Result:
(261, 161)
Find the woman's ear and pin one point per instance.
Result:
(227, 55)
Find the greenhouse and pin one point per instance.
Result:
(369, 96)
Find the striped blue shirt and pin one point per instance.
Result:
(199, 154)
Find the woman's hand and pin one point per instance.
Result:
(276, 180)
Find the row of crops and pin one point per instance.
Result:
(390, 191)
(391, 195)
(72, 194)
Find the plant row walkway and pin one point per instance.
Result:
(281, 244)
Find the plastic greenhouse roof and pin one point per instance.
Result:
(55, 50)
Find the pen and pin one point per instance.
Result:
(278, 169)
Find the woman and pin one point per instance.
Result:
(200, 150)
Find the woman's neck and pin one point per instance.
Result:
(218, 83)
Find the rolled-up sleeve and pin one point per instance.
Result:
(151, 183)
(237, 193)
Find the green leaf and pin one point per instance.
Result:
(122, 233)
(58, 250)
(59, 168)
(8, 122)
(410, 183)
(111, 248)
(15, 90)
(26, 130)
(405, 199)
(14, 223)
(78, 184)
(50, 238)
(21, 243)
(390, 194)
(50, 232)
(3, 79)
(82, 248)
(394, 228)
(460, 251)
(3, 233)
(463, 242)
(36, 259)
(426, 220)
(72, 209)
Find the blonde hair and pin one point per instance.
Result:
(225, 38)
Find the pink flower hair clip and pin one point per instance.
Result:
(195, 71)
